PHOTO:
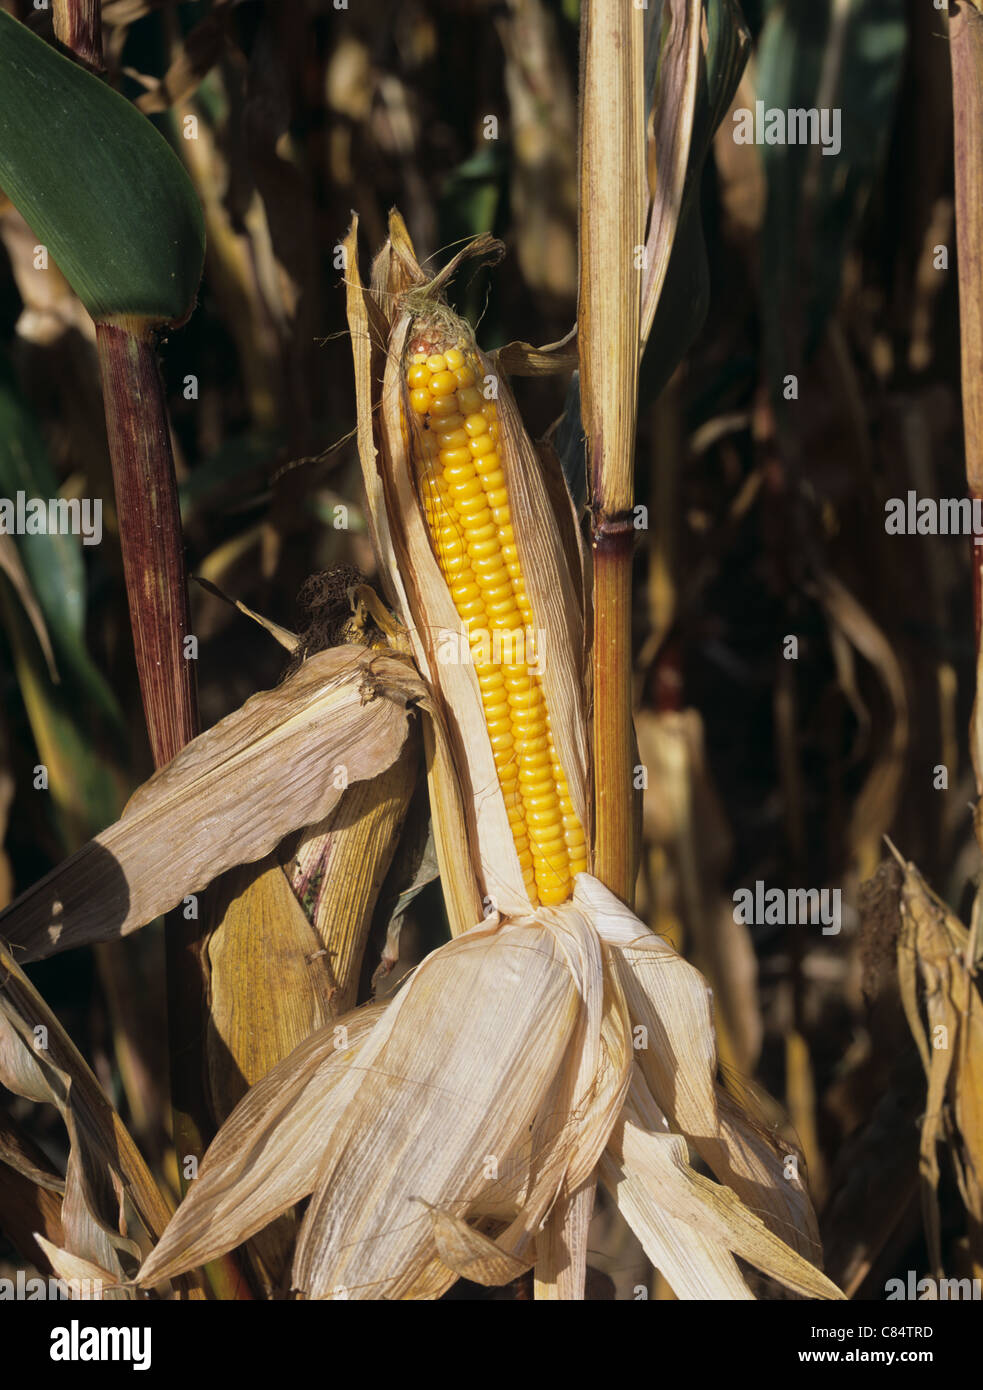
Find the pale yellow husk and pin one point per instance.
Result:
(459, 1133)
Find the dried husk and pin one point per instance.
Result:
(104, 1165)
(270, 980)
(228, 798)
(265, 1157)
(937, 983)
(475, 1154)
(338, 868)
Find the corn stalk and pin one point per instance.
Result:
(612, 237)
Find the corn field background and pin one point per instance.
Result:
(802, 679)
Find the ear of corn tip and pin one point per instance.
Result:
(466, 504)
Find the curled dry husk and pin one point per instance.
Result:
(454, 1132)
(470, 821)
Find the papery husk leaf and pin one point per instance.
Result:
(561, 1251)
(265, 1156)
(72, 1267)
(469, 1254)
(696, 1266)
(103, 1163)
(497, 1009)
(671, 1000)
(369, 340)
(338, 868)
(522, 359)
(227, 798)
(645, 1150)
(561, 1153)
(270, 981)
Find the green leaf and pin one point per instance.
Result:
(98, 185)
(686, 293)
(815, 201)
(52, 562)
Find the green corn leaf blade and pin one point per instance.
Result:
(53, 562)
(815, 201)
(86, 790)
(98, 185)
(685, 295)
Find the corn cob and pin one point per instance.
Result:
(465, 500)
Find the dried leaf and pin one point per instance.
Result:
(227, 798)
(270, 981)
(265, 1156)
(39, 1061)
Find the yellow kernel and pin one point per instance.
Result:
(421, 400)
(472, 508)
(447, 423)
(454, 358)
(452, 439)
(499, 610)
(525, 858)
(534, 754)
(443, 384)
(464, 589)
(418, 375)
(446, 405)
(484, 444)
(437, 363)
(457, 463)
(465, 376)
(481, 550)
(501, 741)
(475, 424)
(465, 487)
(579, 865)
(550, 894)
(470, 400)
